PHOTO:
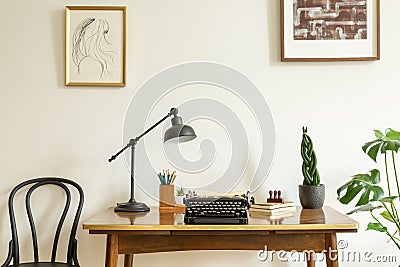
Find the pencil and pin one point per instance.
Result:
(173, 177)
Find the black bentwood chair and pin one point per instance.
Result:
(13, 247)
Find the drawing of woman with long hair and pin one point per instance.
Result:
(89, 41)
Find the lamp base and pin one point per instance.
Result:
(131, 206)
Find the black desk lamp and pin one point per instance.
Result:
(177, 132)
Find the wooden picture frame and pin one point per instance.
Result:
(95, 47)
(330, 30)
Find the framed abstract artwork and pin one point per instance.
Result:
(95, 45)
(330, 30)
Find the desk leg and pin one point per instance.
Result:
(128, 261)
(331, 247)
(311, 260)
(112, 251)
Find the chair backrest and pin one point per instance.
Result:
(33, 184)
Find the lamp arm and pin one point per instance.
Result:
(119, 152)
(154, 126)
(133, 141)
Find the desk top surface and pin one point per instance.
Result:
(326, 218)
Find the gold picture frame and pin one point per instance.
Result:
(95, 46)
(330, 30)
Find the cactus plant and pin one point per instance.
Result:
(180, 191)
(309, 167)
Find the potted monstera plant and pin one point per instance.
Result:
(311, 192)
(372, 199)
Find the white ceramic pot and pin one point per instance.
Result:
(179, 200)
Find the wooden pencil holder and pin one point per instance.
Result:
(167, 217)
(167, 198)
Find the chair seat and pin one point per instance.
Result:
(43, 264)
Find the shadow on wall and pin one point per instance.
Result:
(273, 28)
(57, 22)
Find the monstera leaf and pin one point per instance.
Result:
(364, 184)
(363, 208)
(369, 207)
(390, 141)
(376, 227)
(370, 195)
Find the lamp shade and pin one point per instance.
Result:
(179, 132)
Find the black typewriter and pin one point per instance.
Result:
(216, 210)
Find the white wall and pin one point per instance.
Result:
(49, 129)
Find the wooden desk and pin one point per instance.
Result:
(154, 231)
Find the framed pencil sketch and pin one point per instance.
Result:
(95, 45)
(330, 30)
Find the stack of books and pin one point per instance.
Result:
(272, 211)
